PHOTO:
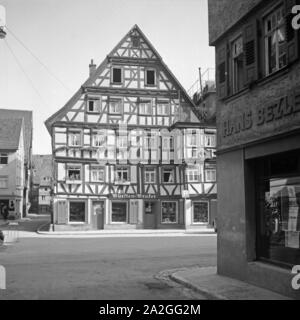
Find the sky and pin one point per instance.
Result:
(64, 35)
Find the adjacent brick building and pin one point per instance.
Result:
(258, 123)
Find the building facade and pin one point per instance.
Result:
(12, 175)
(26, 117)
(118, 147)
(258, 123)
(42, 188)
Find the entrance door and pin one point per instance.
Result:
(4, 208)
(98, 213)
(150, 215)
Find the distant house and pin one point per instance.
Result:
(42, 178)
(8, 116)
(12, 175)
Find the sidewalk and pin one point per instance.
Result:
(215, 287)
(132, 232)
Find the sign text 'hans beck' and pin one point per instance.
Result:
(264, 114)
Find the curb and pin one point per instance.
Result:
(206, 293)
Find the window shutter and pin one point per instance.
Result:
(250, 35)
(98, 105)
(112, 174)
(222, 71)
(292, 36)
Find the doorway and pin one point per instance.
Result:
(98, 215)
(150, 209)
(4, 208)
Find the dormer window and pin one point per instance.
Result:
(150, 77)
(116, 75)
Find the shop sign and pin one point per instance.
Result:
(132, 196)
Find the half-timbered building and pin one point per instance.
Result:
(129, 148)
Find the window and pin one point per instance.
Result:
(275, 41)
(93, 105)
(163, 108)
(150, 175)
(122, 175)
(168, 175)
(169, 212)
(193, 175)
(97, 174)
(115, 106)
(210, 140)
(74, 173)
(77, 211)
(3, 182)
(119, 212)
(278, 210)
(210, 175)
(145, 108)
(99, 139)
(43, 198)
(237, 65)
(168, 143)
(135, 41)
(3, 158)
(150, 142)
(192, 138)
(200, 212)
(116, 75)
(122, 141)
(74, 139)
(150, 77)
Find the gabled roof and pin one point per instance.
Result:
(10, 130)
(42, 168)
(27, 117)
(101, 67)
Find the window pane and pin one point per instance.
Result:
(119, 212)
(150, 77)
(117, 75)
(169, 212)
(77, 211)
(279, 213)
(200, 212)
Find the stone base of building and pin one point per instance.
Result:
(89, 213)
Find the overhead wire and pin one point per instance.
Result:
(37, 59)
(25, 73)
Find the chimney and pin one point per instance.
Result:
(92, 67)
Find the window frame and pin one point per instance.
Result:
(94, 100)
(206, 174)
(193, 212)
(120, 103)
(163, 173)
(235, 58)
(111, 214)
(146, 106)
(85, 211)
(188, 170)
(270, 33)
(4, 178)
(112, 75)
(146, 77)
(152, 170)
(164, 105)
(73, 132)
(176, 212)
(122, 169)
(71, 167)
(208, 136)
(4, 156)
(98, 168)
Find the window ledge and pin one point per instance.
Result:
(73, 181)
